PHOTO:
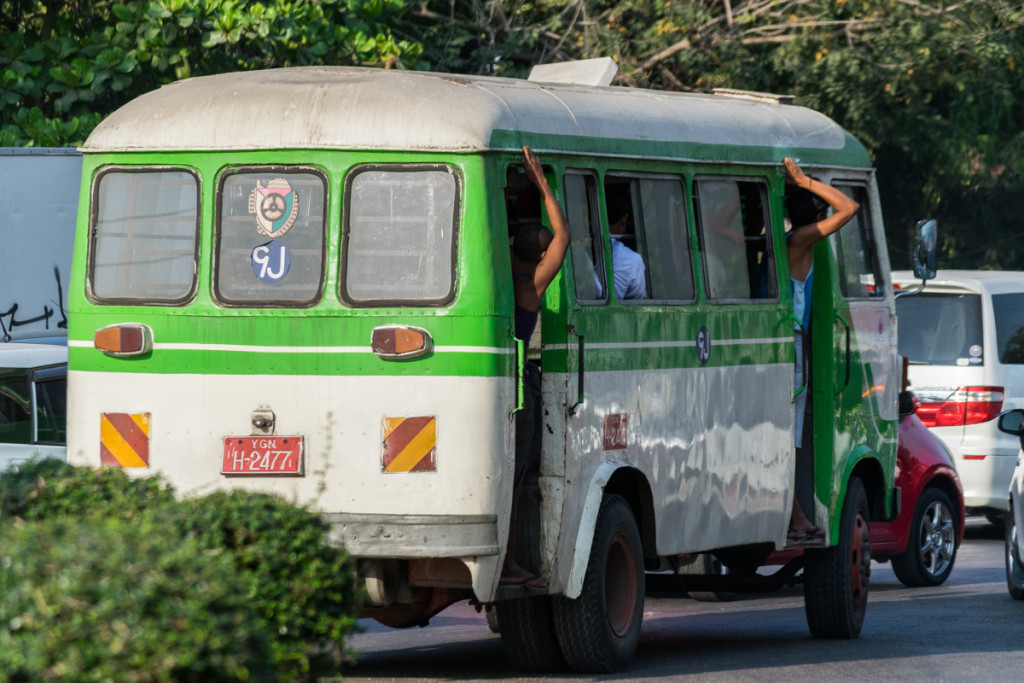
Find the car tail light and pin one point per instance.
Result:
(965, 406)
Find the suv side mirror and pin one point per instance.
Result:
(925, 246)
(1012, 422)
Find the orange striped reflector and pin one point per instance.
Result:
(410, 445)
(124, 439)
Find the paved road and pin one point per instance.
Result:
(968, 629)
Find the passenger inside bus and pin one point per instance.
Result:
(807, 203)
(627, 264)
(536, 257)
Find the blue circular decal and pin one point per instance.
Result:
(270, 261)
(703, 345)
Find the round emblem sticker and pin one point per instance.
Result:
(270, 261)
(703, 345)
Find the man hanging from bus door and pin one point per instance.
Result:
(807, 203)
(537, 256)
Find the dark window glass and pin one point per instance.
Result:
(15, 407)
(52, 410)
(940, 329)
(1008, 311)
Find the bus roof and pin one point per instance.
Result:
(365, 108)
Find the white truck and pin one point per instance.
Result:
(38, 210)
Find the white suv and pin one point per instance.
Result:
(33, 393)
(964, 337)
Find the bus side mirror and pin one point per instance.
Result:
(925, 246)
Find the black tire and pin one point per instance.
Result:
(1014, 565)
(528, 634)
(836, 579)
(931, 550)
(706, 564)
(599, 630)
(491, 614)
(995, 518)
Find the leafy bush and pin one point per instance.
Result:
(44, 489)
(300, 593)
(304, 589)
(94, 600)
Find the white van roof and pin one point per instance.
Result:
(946, 281)
(361, 108)
(28, 355)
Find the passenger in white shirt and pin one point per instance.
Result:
(627, 265)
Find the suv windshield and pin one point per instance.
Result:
(941, 329)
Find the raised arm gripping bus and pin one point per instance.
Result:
(297, 281)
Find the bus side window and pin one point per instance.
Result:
(629, 269)
(860, 272)
(662, 236)
(735, 242)
(586, 252)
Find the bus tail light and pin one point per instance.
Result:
(965, 406)
(399, 342)
(124, 340)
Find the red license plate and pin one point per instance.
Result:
(262, 455)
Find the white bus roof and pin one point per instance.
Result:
(363, 108)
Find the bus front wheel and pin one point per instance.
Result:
(598, 631)
(836, 579)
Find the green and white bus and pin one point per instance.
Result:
(297, 281)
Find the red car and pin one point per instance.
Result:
(921, 542)
(923, 539)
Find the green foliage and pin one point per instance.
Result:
(248, 549)
(65, 65)
(51, 489)
(305, 590)
(113, 600)
(932, 89)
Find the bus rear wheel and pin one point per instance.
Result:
(598, 631)
(836, 579)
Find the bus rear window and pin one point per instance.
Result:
(144, 237)
(270, 238)
(400, 236)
